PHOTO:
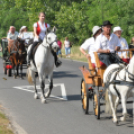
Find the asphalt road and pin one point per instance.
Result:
(62, 114)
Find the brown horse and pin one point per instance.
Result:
(17, 53)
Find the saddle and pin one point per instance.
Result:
(34, 51)
(35, 48)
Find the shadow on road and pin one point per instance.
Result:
(62, 74)
(73, 97)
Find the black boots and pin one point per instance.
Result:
(57, 61)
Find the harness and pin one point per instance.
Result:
(119, 82)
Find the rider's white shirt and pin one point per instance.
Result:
(124, 45)
(89, 45)
(12, 36)
(103, 43)
(43, 29)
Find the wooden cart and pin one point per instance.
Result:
(91, 82)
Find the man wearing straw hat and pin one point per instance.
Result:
(107, 44)
(90, 43)
(118, 31)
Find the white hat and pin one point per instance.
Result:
(117, 29)
(23, 27)
(95, 29)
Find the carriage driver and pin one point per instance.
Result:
(39, 32)
(12, 34)
(106, 45)
(89, 44)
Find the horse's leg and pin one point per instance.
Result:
(21, 70)
(42, 85)
(50, 80)
(123, 102)
(17, 69)
(34, 80)
(116, 103)
(112, 107)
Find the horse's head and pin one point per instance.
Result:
(21, 45)
(51, 39)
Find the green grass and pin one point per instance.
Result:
(4, 123)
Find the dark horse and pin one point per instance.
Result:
(17, 53)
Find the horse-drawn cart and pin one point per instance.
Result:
(7, 67)
(92, 83)
(17, 49)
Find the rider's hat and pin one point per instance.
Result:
(107, 22)
(117, 29)
(95, 29)
(22, 28)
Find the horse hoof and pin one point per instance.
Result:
(122, 118)
(43, 101)
(36, 96)
(115, 122)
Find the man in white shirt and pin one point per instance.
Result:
(12, 34)
(118, 31)
(89, 44)
(106, 45)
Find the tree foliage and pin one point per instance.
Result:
(73, 18)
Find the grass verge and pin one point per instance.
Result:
(4, 124)
(75, 54)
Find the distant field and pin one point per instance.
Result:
(75, 54)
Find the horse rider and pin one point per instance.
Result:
(39, 32)
(12, 34)
(106, 45)
(118, 31)
(89, 44)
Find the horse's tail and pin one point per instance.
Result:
(107, 102)
(29, 76)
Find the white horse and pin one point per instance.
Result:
(43, 64)
(124, 89)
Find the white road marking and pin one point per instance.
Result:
(61, 85)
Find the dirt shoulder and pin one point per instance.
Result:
(7, 124)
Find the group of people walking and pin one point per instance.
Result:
(106, 44)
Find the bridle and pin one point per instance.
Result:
(51, 42)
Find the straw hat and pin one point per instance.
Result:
(22, 28)
(95, 29)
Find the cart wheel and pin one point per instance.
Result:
(84, 97)
(96, 104)
(4, 70)
(9, 72)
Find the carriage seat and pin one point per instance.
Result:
(102, 64)
(126, 60)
